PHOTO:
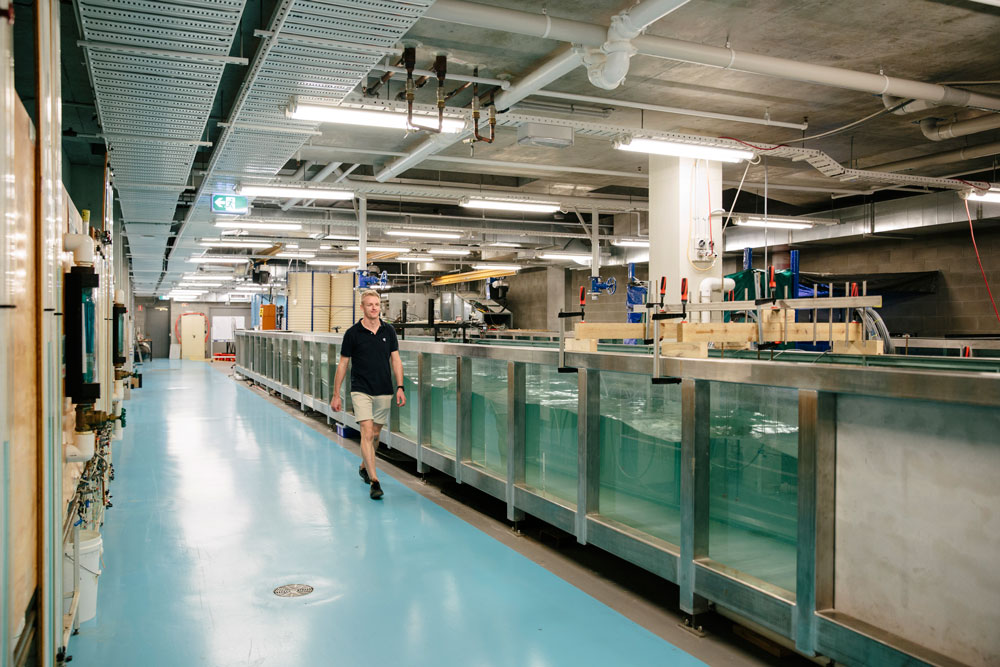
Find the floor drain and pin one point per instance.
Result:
(293, 590)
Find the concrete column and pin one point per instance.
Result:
(682, 194)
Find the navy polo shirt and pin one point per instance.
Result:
(369, 354)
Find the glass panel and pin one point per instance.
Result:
(326, 353)
(754, 480)
(489, 415)
(550, 432)
(295, 358)
(444, 399)
(89, 345)
(641, 454)
(408, 413)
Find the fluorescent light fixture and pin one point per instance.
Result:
(236, 244)
(295, 255)
(415, 258)
(781, 221)
(378, 248)
(503, 244)
(631, 243)
(342, 237)
(292, 246)
(566, 256)
(457, 252)
(208, 277)
(219, 260)
(237, 224)
(423, 235)
(496, 267)
(991, 195)
(773, 224)
(325, 246)
(369, 118)
(333, 262)
(524, 207)
(200, 284)
(282, 192)
(658, 147)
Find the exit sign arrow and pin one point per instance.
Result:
(231, 204)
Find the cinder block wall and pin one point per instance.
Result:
(528, 299)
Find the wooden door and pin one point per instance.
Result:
(193, 336)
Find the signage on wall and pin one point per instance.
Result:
(231, 204)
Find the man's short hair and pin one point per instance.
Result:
(368, 293)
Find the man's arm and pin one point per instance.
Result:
(338, 380)
(397, 370)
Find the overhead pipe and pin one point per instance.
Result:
(936, 130)
(663, 109)
(475, 115)
(587, 34)
(564, 62)
(900, 107)
(318, 177)
(608, 65)
(347, 172)
(948, 157)
(389, 71)
(475, 78)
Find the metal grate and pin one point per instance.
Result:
(155, 67)
(322, 50)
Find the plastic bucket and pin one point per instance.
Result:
(91, 548)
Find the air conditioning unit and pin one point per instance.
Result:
(547, 136)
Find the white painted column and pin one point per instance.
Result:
(682, 194)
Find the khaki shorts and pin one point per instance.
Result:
(375, 408)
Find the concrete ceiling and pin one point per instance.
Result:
(933, 41)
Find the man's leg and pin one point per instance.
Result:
(369, 433)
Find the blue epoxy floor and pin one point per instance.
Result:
(221, 496)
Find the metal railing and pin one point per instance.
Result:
(301, 367)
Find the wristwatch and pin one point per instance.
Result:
(401, 387)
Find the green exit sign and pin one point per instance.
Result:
(233, 204)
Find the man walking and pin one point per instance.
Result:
(370, 346)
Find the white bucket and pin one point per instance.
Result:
(91, 548)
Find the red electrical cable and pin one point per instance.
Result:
(759, 148)
(974, 186)
(978, 259)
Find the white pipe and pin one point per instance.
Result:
(662, 109)
(935, 130)
(607, 66)
(362, 233)
(912, 106)
(563, 63)
(318, 177)
(595, 244)
(709, 285)
(82, 247)
(586, 34)
(948, 157)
